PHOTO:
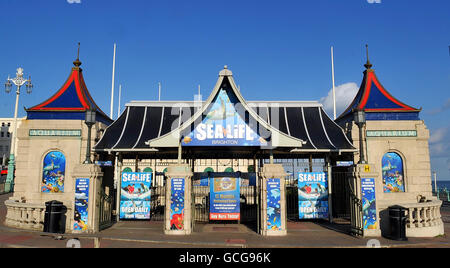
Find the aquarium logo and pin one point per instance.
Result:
(374, 1)
(74, 1)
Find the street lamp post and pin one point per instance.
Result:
(18, 81)
(89, 121)
(360, 121)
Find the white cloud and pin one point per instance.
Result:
(345, 94)
(440, 143)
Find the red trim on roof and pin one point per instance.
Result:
(371, 77)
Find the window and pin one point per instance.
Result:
(393, 177)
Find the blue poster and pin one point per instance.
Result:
(177, 204)
(223, 126)
(312, 195)
(81, 204)
(53, 173)
(392, 167)
(369, 203)
(135, 195)
(273, 204)
(224, 199)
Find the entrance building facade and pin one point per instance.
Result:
(225, 159)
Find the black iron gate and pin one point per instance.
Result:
(201, 196)
(158, 197)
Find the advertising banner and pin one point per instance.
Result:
(224, 199)
(177, 204)
(135, 195)
(312, 195)
(369, 203)
(223, 126)
(81, 204)
(273, 204)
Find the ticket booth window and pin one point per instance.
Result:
(393, 176)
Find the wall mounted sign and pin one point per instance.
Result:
(135, 195)
(53, 173)
(369, 203)
(273, 204)
(54, 133)
(312, 195)
(81, 204)
(224, 199)
(177, 204)
(391, 133)
(223, 126)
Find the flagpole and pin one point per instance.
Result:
(159, 91)
(334, 88)
(120, 94)
(112, 86)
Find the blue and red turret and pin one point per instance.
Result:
(70, 102)
(377, 102)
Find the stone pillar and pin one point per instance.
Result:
(273, 201)
(366, 181)
(95, 176)
(178, 218)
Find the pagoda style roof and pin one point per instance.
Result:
(70, 102)
(225, 119)
(377, 102)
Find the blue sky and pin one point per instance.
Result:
(277, 50)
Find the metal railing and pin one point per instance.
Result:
(3, 185)
(443, 194)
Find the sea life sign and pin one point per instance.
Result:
(53, 173)
(81, 204)
(369, 203)
(392, 168)
(135, 195)
(177, 204)
(273, 205)
(313, 195)
(224, 199)
(223, 126)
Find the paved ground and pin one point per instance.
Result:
(150, 234)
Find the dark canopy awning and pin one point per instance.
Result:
(145, 121)
(295, 127)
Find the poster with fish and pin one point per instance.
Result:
(135, 194)
(53, 174)
(223, 125)
(313, 195)
(177, 204)
(81, 204)
(392, 167)
(369, 203)
(224, 199)
(273, 204)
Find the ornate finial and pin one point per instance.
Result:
(225, 67)
(77, 62)
(368, 65)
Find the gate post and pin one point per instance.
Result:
(94, 177)
(273, 201)
(178, 212)
(366, 190)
